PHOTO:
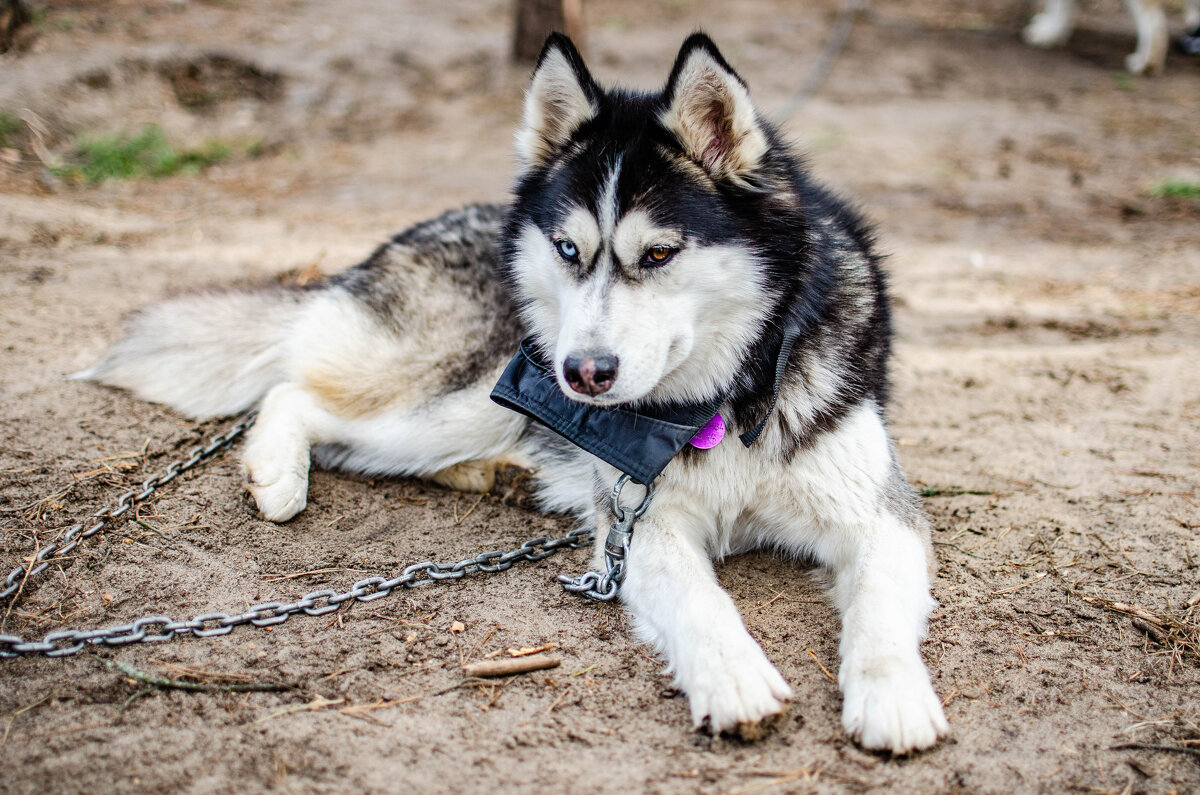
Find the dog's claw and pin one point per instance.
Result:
(753, 731)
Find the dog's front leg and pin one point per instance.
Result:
(276, 458)
(882, 589)
(672, 592)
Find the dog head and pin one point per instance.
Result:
(634, 242)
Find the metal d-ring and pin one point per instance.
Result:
(620, 512)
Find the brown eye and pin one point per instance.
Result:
(659, 255)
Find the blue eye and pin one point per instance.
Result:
(567, 250)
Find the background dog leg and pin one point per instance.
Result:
(679, 607)
(1151, 53)
(1052, 26)
(276, 459)
(882, 591)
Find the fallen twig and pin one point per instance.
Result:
(380, 704)
(953, 492)
(320, 702)
(1171, 631)
(295, 575)
(1019, 586)
(517, 665)
(199, 674)
(1178, 749)
(176, 684)
(525, 652)
(812, 653)
(22, 711)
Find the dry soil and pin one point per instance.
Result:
(1047, 404)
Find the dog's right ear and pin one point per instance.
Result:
(562, 97)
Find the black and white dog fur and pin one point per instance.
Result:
(667, 235)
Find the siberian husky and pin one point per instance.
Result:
(662, 249)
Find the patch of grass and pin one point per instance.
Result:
(1176, 189)
(146, 155)
(10, 125)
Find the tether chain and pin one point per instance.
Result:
(102, 518)
(152, 629)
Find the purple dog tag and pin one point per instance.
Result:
(710, 435)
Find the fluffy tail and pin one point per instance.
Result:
(205, 355)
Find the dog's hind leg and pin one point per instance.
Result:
(457, 439)
(1151, 53)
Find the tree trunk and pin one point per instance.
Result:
(13, 15)
(537, 19)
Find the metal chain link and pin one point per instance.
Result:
(603, 586)
(17, 578)
(154, 629)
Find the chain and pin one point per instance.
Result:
(603, 587)
(157, 628)
(154, 629)
(17, 578)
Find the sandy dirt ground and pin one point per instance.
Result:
(1047, 404)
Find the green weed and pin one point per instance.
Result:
(146, 155)
(10, 125)
(1176, 189)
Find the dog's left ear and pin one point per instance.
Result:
(709, 111)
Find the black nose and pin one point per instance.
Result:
(590, 374)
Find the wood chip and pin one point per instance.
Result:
(524, 652)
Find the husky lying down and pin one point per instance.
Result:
(657, 252)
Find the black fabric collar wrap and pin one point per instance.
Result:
(640, 443)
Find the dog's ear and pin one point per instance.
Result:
(562, 97)
(709, 111)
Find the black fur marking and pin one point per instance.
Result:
(459, 247)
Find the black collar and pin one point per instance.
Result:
(640, 443)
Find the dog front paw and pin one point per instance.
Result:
(736, 689)
(889, 705)
(280, 492)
